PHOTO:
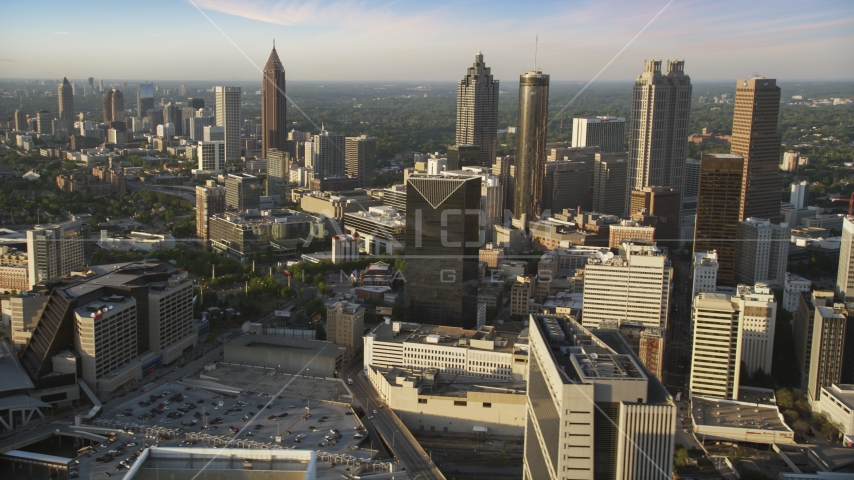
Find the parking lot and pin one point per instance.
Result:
(205, 419)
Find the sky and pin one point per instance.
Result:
(435, 40)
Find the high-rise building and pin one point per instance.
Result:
(57, 249)
(731, 331)
(210, 200)
(460, 156)
(345, 324)
(793, 287)
(718, 210)
(196, 103)
(531, 146)
(756, 139)
(197, 127)
(505, 169)
(361, 159)
(66, 105)
(44, 125)
(229, 116)
(609, 183)
(832, 353)
(663, 203)
(608, 133)
(634, 287)
(442, 241)
(800, 194)
(491, 192)
(802, 328)
(21, 121)
(661, 106)
(691, 178)
(213, 133)
(477, 110)
(144, 99)
(593, 410)
(327, 155)
(278, 172)
(114, 106)
(172, 114)
(274, 106)
(242, 192)
(566, 184)
(705, 273)
(790, 161)
(845, 271)
(211, 157)
(762, 252)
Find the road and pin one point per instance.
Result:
(678, 337)
(190, 197)
(397, 436)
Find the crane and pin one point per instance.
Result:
(850, 203)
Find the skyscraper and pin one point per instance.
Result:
(832, 349)
(327, 155)
(531, 146)
(845, 271)
(114, 106)
(274, 106)
(661, 106)
(66, 105)
(43, 122)
(228, 116)
(21, 121)
(55, 250)
(718, 204)
(278, 173)
(460, 156)
(477, 110)
(663, 203)
(608, 133)
(242, 192)
(442, 241)
(144, 98)
(210, 200)
(755, 137)
(609, 183)
(762, 252)
(211, 157)
(172, 114)
(361, 160)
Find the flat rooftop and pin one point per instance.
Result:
(185, 463)
(155, 275)
(842, 392)
(450, 385)
(322, 348)
(728, 413)
(416, 333)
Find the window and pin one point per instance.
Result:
(459, 403)
(422, 400)
(487, 405)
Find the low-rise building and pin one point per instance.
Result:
(380, 229)
(345, 324)
(752, 418)
(630, 231)
(837, 405)
(240, 234)
(792, 289)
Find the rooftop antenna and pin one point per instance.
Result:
(536, 45)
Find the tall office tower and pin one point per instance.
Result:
(66, 105)
(477, 110)
(327, 155)
(566, 185)
(274, 106)
(531, 146)
(57, 249)
(442, 241)
(44, 123)
(210, 200)
(793, 287)
(718, 210)
(845, 272)
(182, 90)
(197, 128)
(593, 411)
(242, 192)
(213, 133)
(691, 178)
(505, 169)
(460, 156)
(346, 326)
(100, 85)
(361, 159)
(731, 331)
(790, 161)
(802, 327)
(229, 116)
(832, 355)
(91, 84)
(705, 273)
(172, 114)
(800, 194)
(762, 252)
(491, 192)
(144, 99)
(608, 133)
(661, 106)
(664, 204)
(211, 157)
(278, 173)
(196, 103)
(634, 287)
(298, 143)
(114, 106)
(755, 137)
(21, 121)
(609, 183)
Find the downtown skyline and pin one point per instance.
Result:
(794, 41)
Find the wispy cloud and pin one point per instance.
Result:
(60, 33)
(8, 60)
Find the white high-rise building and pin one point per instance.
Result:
(845, 273)
(229, 115)
(634, 287)
(762, 252)
(345, 248)
(213, 133)
(211, 157)
(800, 194)
(608, 133)
(792, 289)
(327, 155)
(166, 130)
(705, 273)
(730, 330)
(790, 161)
(56, 249)
(435, 166)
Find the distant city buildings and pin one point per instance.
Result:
(361, 159)
(608, 133)
(66, 106)
(210, 200)
(144, 99)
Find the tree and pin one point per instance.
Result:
(320, 332)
